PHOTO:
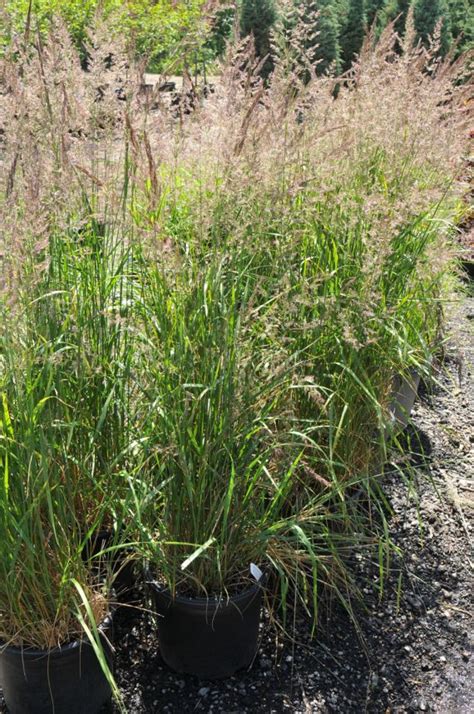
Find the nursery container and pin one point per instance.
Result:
(405, 390)
(63, 680)
(211, 639)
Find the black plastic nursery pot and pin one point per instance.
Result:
(405, 390)
(211, 639)
(64, 680)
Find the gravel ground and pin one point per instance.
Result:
(410, 654)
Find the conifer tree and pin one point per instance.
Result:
(427, 13)
(328, 51)
(341, 8)
(461, 17)
(322, 43)
(257, 17)
(354, 32)
(396, 10)
(374, 9)
(220, 30)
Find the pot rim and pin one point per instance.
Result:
(35, 653)
(204, 602)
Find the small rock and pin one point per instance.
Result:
(135, 700)
(466, 656)
(374, 680)
(204, 691)
(415, 602)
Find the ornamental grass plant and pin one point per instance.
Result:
(229, 287)
(217, 488)
(44, 564)
(65, 355)
(64, 435)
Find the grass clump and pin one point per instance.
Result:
(224, 293)
(42, 541)
(209, 427)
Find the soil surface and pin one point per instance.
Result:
(413, 651)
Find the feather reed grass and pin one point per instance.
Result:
(219, 297)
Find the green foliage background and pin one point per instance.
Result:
(157, 26)
(257, 18)
(344, 23)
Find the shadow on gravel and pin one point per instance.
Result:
(417, 445)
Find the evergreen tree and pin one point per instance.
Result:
(220, 30)
(341, 8)
(322, 36)
(328, 51)
(427, 14)
(374, 9)
(461, 15)
(257, 17)
(397, 10)
(354, 32)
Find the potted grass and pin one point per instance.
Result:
(78, 308)
(411, 290)
(211, 512)
(55, 604)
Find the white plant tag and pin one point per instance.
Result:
(255, 571)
